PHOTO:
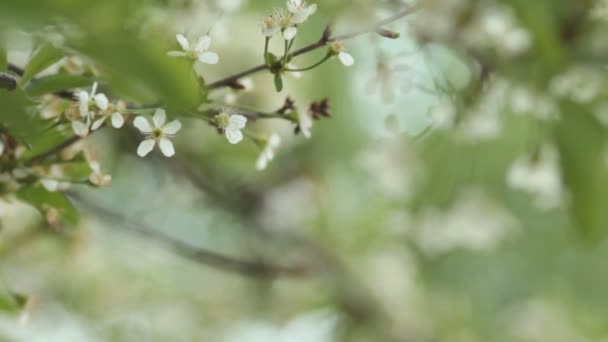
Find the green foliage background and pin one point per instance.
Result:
(96, 280)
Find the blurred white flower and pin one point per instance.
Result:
(85, 101)
(272, 24)
(159, 133)
(98, 177)
(538, 174)
(232, 124)
(317, 326)
(305, 123)
(54, 185)
(474, 222)
(1, 148)
(197, 51)
(300, 10)
(268, 152)
(339, 49)
(442, 115)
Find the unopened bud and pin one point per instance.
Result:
(388, 33)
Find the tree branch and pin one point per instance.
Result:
(250, 268)
(230, 80)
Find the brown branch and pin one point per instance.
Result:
(251, 268)
(230, 80)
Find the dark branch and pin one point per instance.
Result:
(226, 82)
(251, 268)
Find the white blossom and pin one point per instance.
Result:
(98, 177)
(54, 185)
(337, 48)
(1, 148)
(300, 10)
(305, 123)
(271, 24)
(474, 223)
(85, 101)
(538, 174)
(232, 124)
(197, 51)
(268, 152)
(157, 133)
(317, 326)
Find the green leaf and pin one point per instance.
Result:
(3, 57)
(278, 82)
(45, 56)
(16, 116)
(272, 58)
(42, 199)
(56, 83)
(12, 302)
(582, 142)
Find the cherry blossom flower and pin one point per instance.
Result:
(85, 102)
(338, 49)
(271, 24)
(157, 133)
(300, 10)
(231, 124)
(268, 152)
(197, 51)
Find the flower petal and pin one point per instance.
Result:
(237, 121)
(176, 54)
(346, 58)
(183, 41)
(202, 44)
(262, 162)
(172, 127)
(209, 58)
(160, 116)
(234, 136)
(97, 123)
(83, 101)
(80, 128)
(117, 120)
(166, 147)
(101, 101)
(145, 147)
(290, 33)
(142, 124)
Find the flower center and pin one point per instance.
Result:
(157, 133)
(222, 120)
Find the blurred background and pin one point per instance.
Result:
(457, 193)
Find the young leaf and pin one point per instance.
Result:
(16, 116)
(12, 302)
(272, 58)
(45, 56)
(581, 140)
(42, 199)
(56, 83)
(278, 82)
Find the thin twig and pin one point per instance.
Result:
(230, 80)
(251, 268)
